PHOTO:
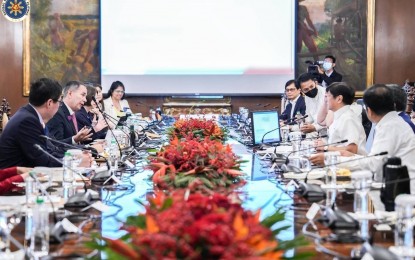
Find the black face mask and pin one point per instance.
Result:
(312, 93)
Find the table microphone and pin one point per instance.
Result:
(360, 158)
(275, 129)
(294, 119)
(339, 142)
(92, 150)
(105, 115)
(78, 199)
(312, 190)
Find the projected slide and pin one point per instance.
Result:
(205, 46)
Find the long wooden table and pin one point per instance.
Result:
(265, 190)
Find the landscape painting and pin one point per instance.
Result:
(342, 28)
(61, 41)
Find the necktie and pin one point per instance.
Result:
(75, 123)
(288, 110)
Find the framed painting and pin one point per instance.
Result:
(61, 41)
(342, 28)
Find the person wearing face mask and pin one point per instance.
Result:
(329, 75)
(314, 98)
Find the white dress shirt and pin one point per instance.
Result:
(313, 105)
(347, 125)
(293, 103)
(394, 135)
(324, 84)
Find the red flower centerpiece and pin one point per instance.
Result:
(188, 225)
(192, 162)
(197, 128)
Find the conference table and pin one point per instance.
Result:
(266, 190)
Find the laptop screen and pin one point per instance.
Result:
(263, 122)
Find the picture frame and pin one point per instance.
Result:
(342, 28)
(61, 41)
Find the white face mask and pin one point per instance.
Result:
(327, 66)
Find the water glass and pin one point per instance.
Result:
(31, 191)
(306, 148)
(295, 138)
(330, 160)
(284, 134)
(301, 163)
(9, 217)
(76, 157)
(362, 181)
(404, 240)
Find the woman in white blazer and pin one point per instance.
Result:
(115, 105)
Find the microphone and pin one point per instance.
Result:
(78, 199)
(92, 150)
(262, 139)
(360, 158)
(105, 115)
(339, 142)
(294, 119)
(312, 190)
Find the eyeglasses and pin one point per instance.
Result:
(119, 91)
(290, 89)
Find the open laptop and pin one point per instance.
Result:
(265, 127)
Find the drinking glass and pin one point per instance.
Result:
(10, 216)
(330, 160)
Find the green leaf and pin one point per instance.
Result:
(167, 204)
(207, 183)
(278, 230)
(136, 221)
(274, 218)
(300, 256)
(297, 242)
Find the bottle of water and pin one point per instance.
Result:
(68, 176)
(113, 156)
(31, 191)
(39, 244)
(362, 181)
(132, 136)
(404, 236)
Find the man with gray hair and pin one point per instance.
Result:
(63, 126)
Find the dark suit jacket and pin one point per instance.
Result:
(334, 77)
(299, 107)
(408, 120)
(18, 139)
(84, 119)
(60, 126)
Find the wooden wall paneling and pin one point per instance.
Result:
(11, 63)
(394, 57)
(394, 48)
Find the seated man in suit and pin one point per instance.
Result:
(329, 75)
(296, 103)
(64, 126)
(22, 134)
